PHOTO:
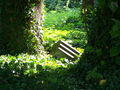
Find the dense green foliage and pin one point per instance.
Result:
(104, 32)
(100, 63)
(33, 72)
(99, 35)
(18, 27)
(104, 35)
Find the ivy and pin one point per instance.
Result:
(20, 30)
(100, 62)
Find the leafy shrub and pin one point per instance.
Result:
(99, 64)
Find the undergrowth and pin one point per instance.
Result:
(33, 72)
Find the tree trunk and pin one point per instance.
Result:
(21, 26)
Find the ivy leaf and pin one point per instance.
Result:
(114, 51)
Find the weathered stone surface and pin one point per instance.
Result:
(61, 49)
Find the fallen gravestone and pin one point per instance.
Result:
(61, 49)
